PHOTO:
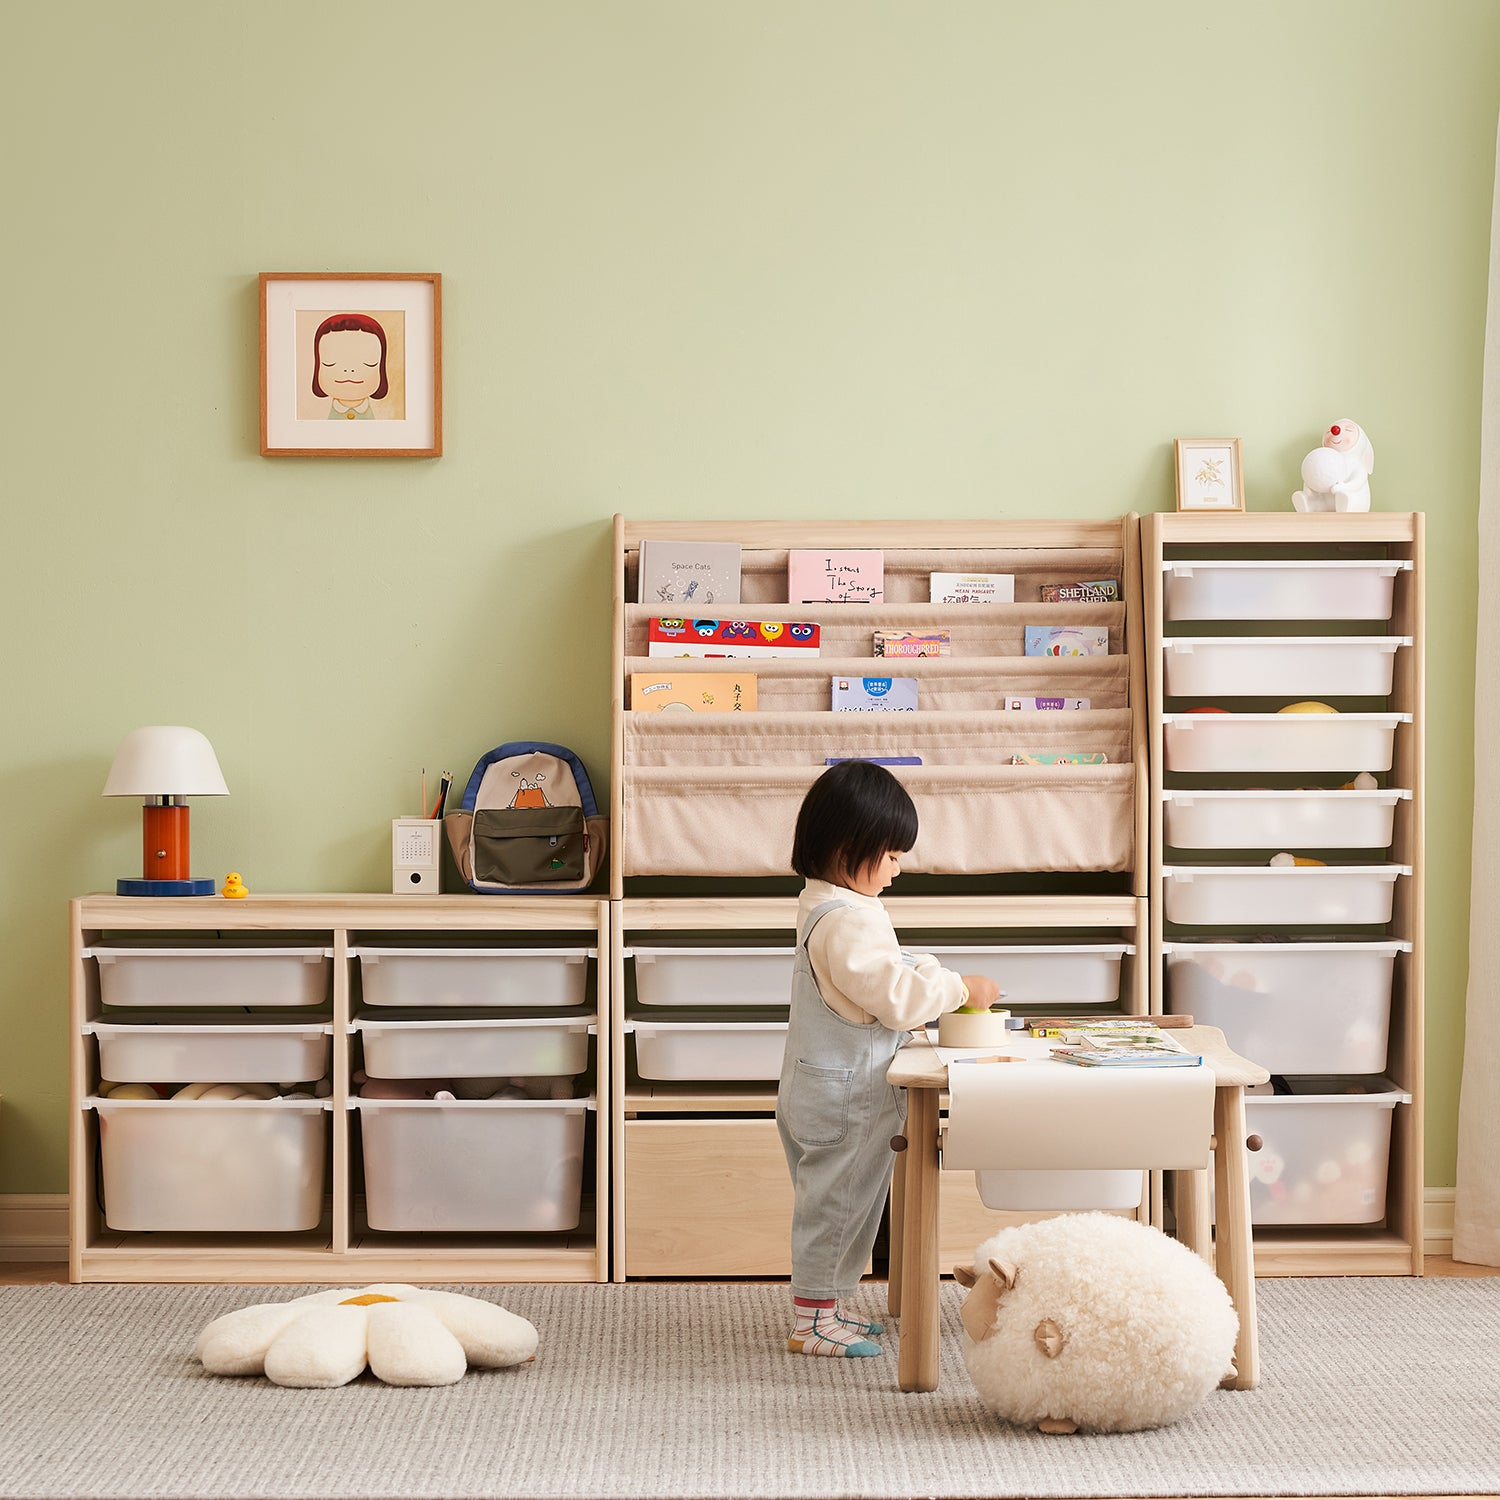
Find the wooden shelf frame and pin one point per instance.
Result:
(1396, 1247)
(340, 1250)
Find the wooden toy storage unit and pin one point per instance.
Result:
(699, 801)
(342, 939)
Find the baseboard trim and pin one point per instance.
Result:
(34, 1226)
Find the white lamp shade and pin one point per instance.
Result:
(165, 760)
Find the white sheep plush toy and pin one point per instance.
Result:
(405, 1334)
(1336, 476)
(1093, 1322)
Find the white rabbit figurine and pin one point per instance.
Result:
(1336, 475)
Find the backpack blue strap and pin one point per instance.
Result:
(529, 747)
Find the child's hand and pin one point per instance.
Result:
(983, 991)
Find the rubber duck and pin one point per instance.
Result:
(234, 887)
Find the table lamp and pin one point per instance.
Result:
(165, 764)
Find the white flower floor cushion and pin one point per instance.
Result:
(405, 1334)
(1093, 1322)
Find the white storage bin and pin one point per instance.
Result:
(212, 975)
(491, 978)
(1256, 819)
(1048, 974)
(473, 1048)
(223, 1166)
(711, 977)
(1291, 1007)
(257, 1049)
(1300, 665)
(1282, 589)
(1325, 1151)
(1279, 742)
(709, 1051)
(1272, 896)
(473, 1164)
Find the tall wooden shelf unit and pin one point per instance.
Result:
(342, 1248)
(1387, 1240)
(702, 811)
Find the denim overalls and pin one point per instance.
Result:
(836, 1115)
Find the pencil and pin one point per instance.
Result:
(440, 806)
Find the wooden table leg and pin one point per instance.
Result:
(1191, 1209)
(917, 1364)
(898, 1219)
(1235, 1250)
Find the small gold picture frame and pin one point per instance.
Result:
(1209, 474)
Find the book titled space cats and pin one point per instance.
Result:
(694, 575)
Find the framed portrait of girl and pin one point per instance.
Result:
(351, 364)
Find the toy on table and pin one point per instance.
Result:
(235, 888)
(1089, 1321)
(1336, 476)
(407, 1336)
(973, 1026)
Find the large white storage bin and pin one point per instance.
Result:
(711, 977)
(1279, 742)
(1292, 1007)
(478, 977)
(1256, 819)
(231, 1166)
(1325, 1152)
(473, 1164)
(1270, 896)
(708, 1051)
(1051, 974)
(256, 1049)
(1285, 589)
(1250, 666)
(473, 1048)
(207, 975)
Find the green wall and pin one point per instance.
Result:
(963, 258)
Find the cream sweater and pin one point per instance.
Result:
(863, 972)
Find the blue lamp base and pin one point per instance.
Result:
(164, 888)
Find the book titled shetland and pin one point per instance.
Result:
(972, 588)
(1067, 640)
(826, 576)
(1100, 591)
(692, 573)
(693, 692)
(886, 695)
(669, 636)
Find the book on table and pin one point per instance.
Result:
(1126, 1043)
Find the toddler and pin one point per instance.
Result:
(855, 995)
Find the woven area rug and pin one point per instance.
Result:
(1370, 1386)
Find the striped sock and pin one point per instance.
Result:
(858, 1325)
(820, 1330)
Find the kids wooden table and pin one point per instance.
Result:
(915, 1273)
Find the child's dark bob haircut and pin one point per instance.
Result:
(854, 814)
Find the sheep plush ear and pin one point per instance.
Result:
(964, 1276)
(983, 1301)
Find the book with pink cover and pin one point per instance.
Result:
(833, 576)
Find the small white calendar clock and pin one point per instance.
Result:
(414, 855)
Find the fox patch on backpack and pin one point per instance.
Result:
(528, 822)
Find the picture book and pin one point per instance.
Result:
(913, 643)
(668, 636)
(693, 692)
(1101, 591)
(694, 573)
(829, 576)
(876, 760)
(1046, 703)
(1059, 758)
(875, 694)
(1127, 1044)
(972, 588)
(1067, 640)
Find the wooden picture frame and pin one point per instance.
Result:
(377, 337)
(1210, 476)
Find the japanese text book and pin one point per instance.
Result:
(972, 588)
(875, 694)
(693, 692)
